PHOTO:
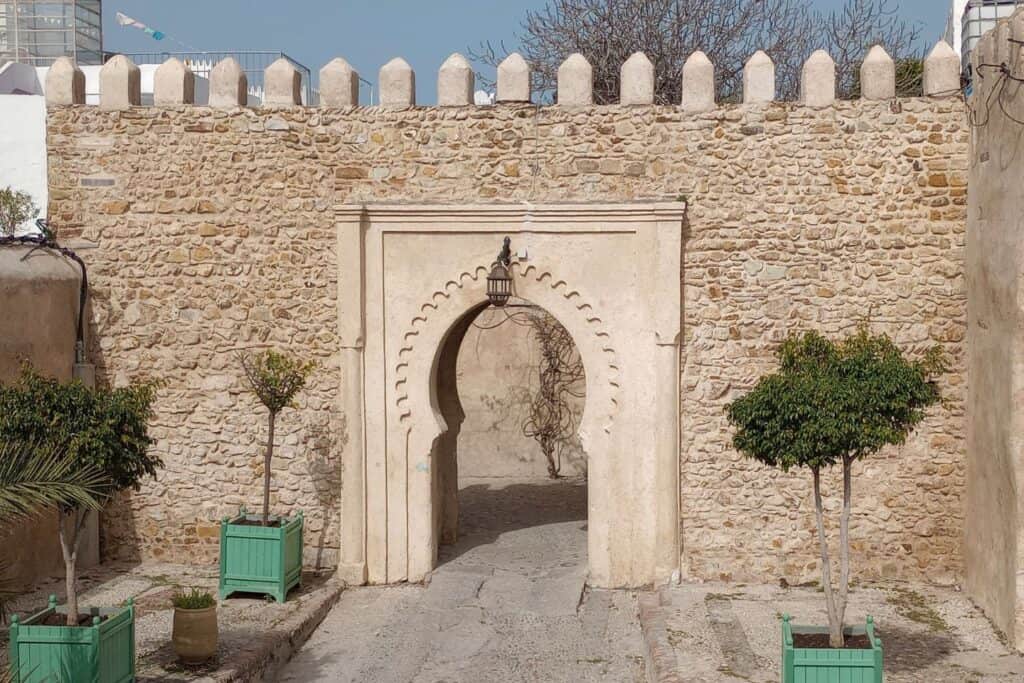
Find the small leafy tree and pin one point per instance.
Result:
(15, 208)
(34, 478)
(101, 430)
(834, 402)
(275, 379)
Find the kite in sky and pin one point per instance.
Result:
(125, 20)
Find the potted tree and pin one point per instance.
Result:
(194, 629)
(263, 553)
(104, 430)
(834, 402)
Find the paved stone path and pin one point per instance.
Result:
(729, 633)
(507, 603)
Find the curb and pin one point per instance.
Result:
(276, 647)
(660, 665)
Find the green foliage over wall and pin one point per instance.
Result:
(831, 399)
(103, 429)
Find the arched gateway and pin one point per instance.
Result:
(411, 275)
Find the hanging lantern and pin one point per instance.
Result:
(499, 285)
(499, 281)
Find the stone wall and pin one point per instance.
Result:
(995, 273)
(214, 233)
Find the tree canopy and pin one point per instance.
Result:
(104, 430)
(834, 398)
(607, 32)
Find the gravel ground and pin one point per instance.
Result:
(730, 633)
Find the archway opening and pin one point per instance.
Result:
(511, 488)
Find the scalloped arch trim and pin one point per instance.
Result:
(437, 305)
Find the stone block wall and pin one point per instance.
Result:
(214, 233)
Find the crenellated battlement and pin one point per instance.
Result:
(174, 82)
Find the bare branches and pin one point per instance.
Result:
(607, 32)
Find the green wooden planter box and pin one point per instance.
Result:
(257, 559)
(101, 653)
(827, 665)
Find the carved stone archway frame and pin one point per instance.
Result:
(409, 276)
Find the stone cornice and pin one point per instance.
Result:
(504, 213)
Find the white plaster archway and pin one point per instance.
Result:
(610, 273)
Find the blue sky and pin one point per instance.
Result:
(365, 33)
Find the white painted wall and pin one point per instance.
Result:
(23, 147)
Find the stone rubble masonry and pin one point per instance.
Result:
(218, 234)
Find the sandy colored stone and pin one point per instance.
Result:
(942, 71)
(397, 84)
(173, 84)
(282, 84)
(878, 75)
(228, 84)
(120, 84)
(636, 80)
(575, 81)
(818, 80)
(455, 82)
(995, 345)
(698, 83)
(65, 83)
(758, 79)
(339, 84)
(513, 79)
(786, 229)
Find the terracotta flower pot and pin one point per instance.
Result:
(194, 634)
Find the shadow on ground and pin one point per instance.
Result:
(907, 651)
(487, 511)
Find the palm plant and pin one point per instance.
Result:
(34, 478)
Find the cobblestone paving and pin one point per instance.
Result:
(730, 633)
(507, 603)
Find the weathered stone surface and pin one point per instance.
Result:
(173, 84)
(878, 75)
(339, 84)
(229, 85)
(513, 79)
(759, 78)
(516, 577)
(397, 84)
(698, 83)
(65, 83)
(995, 341)
(942, 71)
(282, 84)
(575, 81)
(821, 219)
(120, 84)
(818, 80)
(455, 82)
(636, 80)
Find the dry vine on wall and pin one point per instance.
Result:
(551, 419)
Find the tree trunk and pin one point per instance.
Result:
(835, 626)
(69, 549)
(266, 469)
(844, 540)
